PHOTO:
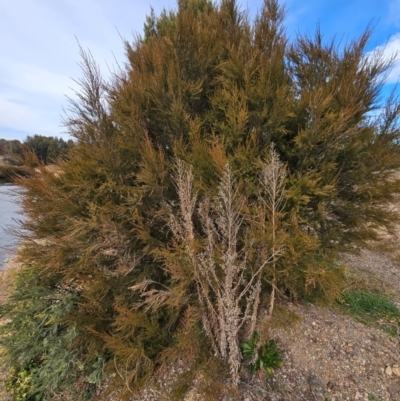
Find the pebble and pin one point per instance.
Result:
(396, 370)
(388, 371)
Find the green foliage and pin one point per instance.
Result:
(368, 303)
(39, 348)
(361, 303)
(10, 147)
(20, 384)
(10, 163)
(372, 309)
(48, 149)
(266, 357)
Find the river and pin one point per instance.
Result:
(9, 213)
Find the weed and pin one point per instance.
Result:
(361, 303)
(267, 358)
(372, 309)
(19, 382)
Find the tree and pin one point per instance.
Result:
(48, 149)
(10, 147)
(138, 228)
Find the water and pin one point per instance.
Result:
(9, 212)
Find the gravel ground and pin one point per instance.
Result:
(330, 356)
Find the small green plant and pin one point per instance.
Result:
(361, 303)
(269, 356)
(38, 347)
(371, 308)
(19, 383)
(372, 397)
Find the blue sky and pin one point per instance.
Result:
(39, 51)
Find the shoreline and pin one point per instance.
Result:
(10, 205)
(7, 269)
(9, 262)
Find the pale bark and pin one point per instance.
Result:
(219, 269)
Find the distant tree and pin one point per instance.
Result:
(48, 149)
(3, 146)
(10, 147)
(219, 149)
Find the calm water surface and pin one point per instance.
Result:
(9, 212)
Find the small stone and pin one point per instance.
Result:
(388, 371)
(314, 324)
(396, 370)
(358, 396)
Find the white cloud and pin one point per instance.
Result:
(34, 119)
(16, 114)
(24, 77)
(39, 53)
(388, 51)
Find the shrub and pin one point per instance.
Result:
(39, 346)
(149, 259)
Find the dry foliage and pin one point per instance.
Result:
(228, 286)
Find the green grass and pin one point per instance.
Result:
(371, 309)
(361, 303)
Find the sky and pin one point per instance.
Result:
(39, 51)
